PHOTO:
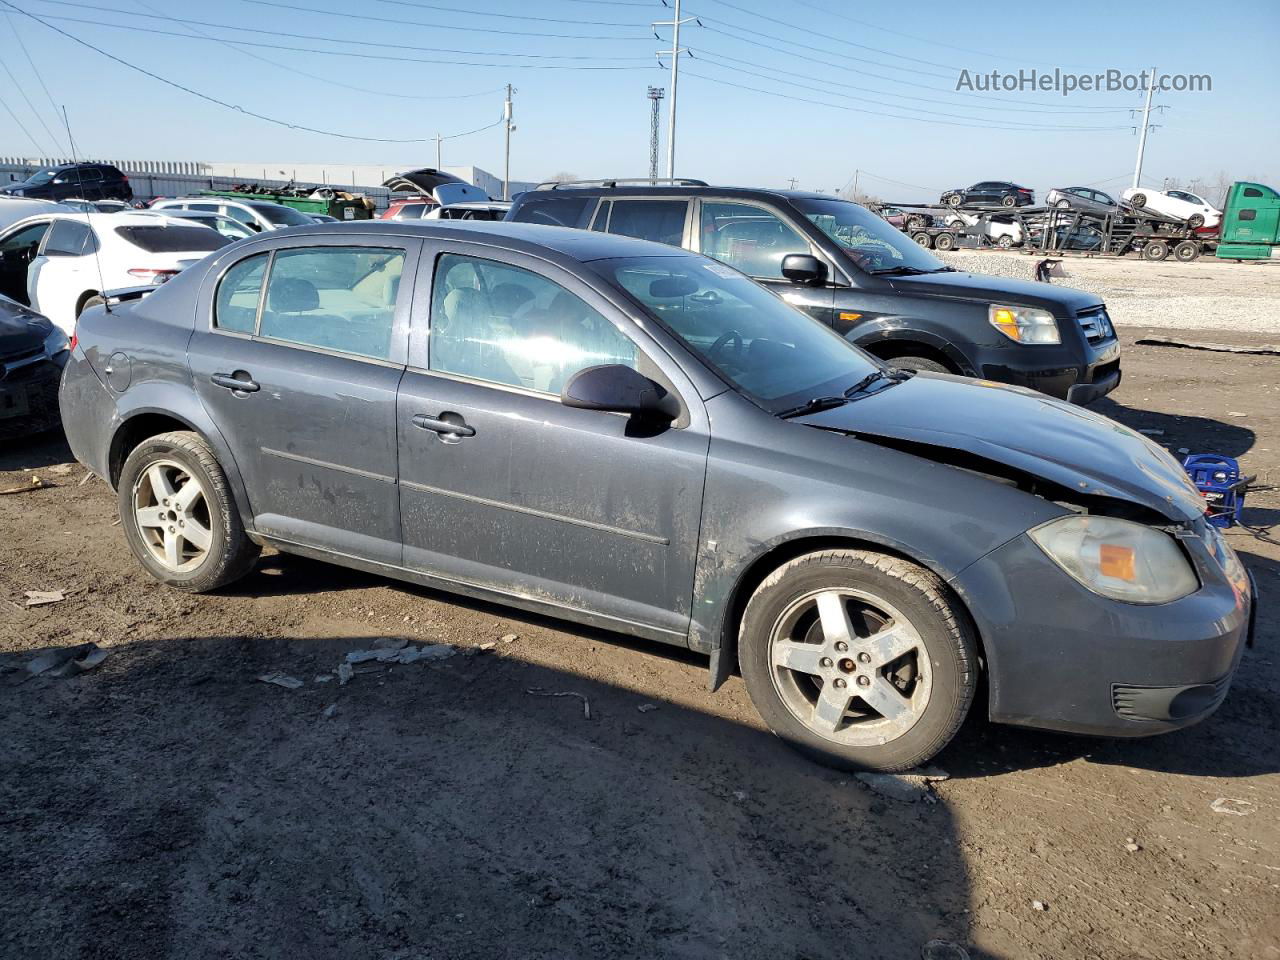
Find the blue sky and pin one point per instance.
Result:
(884, 77)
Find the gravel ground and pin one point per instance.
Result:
(1206, 294)
(169, 804)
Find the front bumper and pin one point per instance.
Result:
(1067, 371)
(1061, 657)
(29, 396)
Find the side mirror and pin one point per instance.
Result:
(803, 268)
(619, 389)
(255, 227)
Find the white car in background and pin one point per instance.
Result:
(56, 263)
(1002, 230)
(1177, 204)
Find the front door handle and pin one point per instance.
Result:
(239, 381)
(453, 429)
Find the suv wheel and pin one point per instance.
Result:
(945, 241)
(858, 659)
(954, 200)
(909, 362)
(1004, 241)
(179, 516)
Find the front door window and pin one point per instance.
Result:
(750, 238)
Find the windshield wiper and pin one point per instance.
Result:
(816, 405)
(902, 270)
(897, 376)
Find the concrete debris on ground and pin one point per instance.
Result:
(329, 711)
(1237, 808)
(68, 661)
(281, 680)
(1132, 845)
(509, 638)
(345, 673)
(1039, 905)
(390, 643)
(906, 787)
(38, 598)
(486, 647)
(647, 707)
(61, 470)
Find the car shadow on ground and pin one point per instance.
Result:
(1196, 434)
(170, 804)
(36, 451)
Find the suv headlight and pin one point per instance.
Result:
(1119, 559)
(1024, 324)
(55, 342)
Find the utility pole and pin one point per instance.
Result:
(438, 160)
(791, 183)
(1142, 133)
(508, 126)
(675, 51)
(655, 101)
(856, 172)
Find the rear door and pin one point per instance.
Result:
(659, 220)
(300, 374)
(63, 271)
(754, 239)
(503, 487)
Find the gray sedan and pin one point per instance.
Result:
(638, 438)
(1084, 199)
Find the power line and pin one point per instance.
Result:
(13, 28)
(811, 79)
(504, 16)
(339, 53)
(13, 82)
(436, 25)
(312, 36)
(879, 113)
(316, 76)
(232, 106)
(27, 133)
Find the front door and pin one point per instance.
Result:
(754, 239)
(504, 487)
(298, 355)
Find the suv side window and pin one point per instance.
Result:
(241, 214)
(239, 293)
(750, 238)
(557, 211)
(337, 298)
(495, 322)
(659, 220)
(68, 238)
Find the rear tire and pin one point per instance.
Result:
(1195, 221)
(1138, 201)
(94, 301)
(858, 660)
(945, 241)
(1004, 242)
(923, 239)
(1155, 250)
(179, 515)
(1063, 204)
(1008, 200)
(1186, 251)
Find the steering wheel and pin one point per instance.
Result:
(730, 336)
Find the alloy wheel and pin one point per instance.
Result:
(850, 667)
(171, 512)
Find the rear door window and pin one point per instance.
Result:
(557, 211)
(661, 221)
(336, 298)
(68, 238)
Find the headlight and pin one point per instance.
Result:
(55, 342)
(1118, 558)
(1024, 324)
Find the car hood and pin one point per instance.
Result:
(22, 330)
(988, 289)
(1034, 434)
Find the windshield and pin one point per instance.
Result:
(282, 215)
(39, 179)
(770, 351)
(170, 239)
(869, 241)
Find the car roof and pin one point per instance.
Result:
(673, 190)
(247, 201)
(580, 245)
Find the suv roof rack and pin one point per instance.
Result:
(639, 181)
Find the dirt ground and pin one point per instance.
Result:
(170, 805)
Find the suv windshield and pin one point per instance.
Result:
(869, 241)
(770, 351)
(280, 214)
(39, 179)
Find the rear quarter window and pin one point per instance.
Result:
(166, 239)
(556, 211)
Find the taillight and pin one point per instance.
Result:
(75, 338)
(148, 275)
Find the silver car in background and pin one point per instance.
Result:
(1084, 199)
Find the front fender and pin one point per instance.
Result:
(897, 329)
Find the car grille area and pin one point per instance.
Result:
(1167, 704)
(28, 395)
(1096, 325)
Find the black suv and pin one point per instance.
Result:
(990, 193)
(849, 268)
(70, 181)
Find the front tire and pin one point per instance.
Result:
(1138, 201)
(858, 660)
(179, 515)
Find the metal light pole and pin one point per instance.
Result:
(1142, 134)
(508, 126)
(655, 99)
(674, 53)
(438, 161)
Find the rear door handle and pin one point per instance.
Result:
(242, 383)
(448, 428)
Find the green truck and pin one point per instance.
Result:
(1250, 223)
